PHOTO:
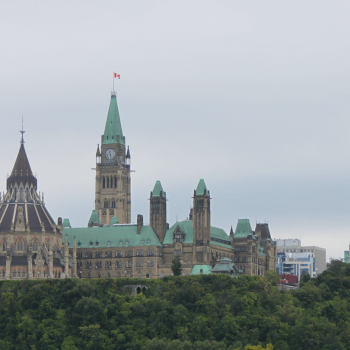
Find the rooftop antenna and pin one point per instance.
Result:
(22, 132)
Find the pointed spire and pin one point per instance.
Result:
(98, 153)
(22, 132)
(128, 153)
(22, 171)
(158, 190)
(113, 126)
(201, 188)
(231, 231)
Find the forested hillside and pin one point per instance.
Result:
(191, 312)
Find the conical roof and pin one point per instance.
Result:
(22, 171)
(157, 190)
(113, 126)
(201, 187)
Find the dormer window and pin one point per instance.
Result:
(96, 242)
(121, 243)
(148, 241)
(109, 243)
(91, 243)
(126, 243)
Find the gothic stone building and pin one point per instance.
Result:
(113, 247)
(30, 241)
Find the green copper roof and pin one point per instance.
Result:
(157, 189)
(66, 224)
(243, 229)
(94, 218)
(201, 187)
(226, 266)
(113, 125)
(121, 236)
(218, 234)
(114, 221)
(196, 270)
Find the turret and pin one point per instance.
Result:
(231, 235)
(201, 223)
(98, 155)
(158, 211)
(74, 258)
(66, 259)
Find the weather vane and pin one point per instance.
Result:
(22, 132)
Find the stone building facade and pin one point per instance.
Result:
(113, 247)
(30, 241)
(112, 188)
(32, 245)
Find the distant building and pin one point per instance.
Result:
(296, 264)
(294, 246)
(346, 256)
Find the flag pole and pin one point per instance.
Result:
(113, 81)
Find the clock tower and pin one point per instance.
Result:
(112, 195)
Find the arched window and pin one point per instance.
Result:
(107, 182)
(35, 245)
(115, 182)
(104, 182)
(162, 274)
(44, 274)
(113, 204)
(111, 182)
(14, 273)
(98, 275)
(106, 203)
(106, 264)
(3, 273)
(24, 273)
(56, 274)
(139, 275)
(108, 275)
(4, 245)
(118, 275)
(20, 245)
(149, 275)
(59, 274)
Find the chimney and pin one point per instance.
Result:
(139, 223)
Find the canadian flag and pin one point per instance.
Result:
(116, 75)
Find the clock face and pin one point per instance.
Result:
(110, 154)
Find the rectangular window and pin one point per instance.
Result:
(178, 252)
(200, 203)
(139, 252)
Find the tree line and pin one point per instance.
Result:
(178, 312)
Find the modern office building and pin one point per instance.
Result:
(294, 247)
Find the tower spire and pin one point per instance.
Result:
(22, 132)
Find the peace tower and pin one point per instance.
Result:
(112, 195)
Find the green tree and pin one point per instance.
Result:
(176, 266)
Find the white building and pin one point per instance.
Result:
(294, 246)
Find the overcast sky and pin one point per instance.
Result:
(252, 96)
